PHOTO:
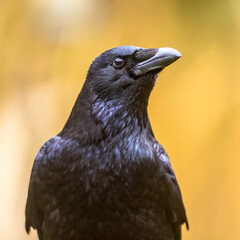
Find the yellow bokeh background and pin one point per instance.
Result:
(46, 47)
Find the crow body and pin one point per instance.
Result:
(105, 176)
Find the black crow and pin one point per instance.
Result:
(105, 176)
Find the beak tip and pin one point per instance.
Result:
(170, 52)
(178, 55)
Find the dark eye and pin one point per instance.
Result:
(118, 62)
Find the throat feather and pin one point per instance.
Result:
(115, 116)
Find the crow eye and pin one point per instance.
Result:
(118, 62)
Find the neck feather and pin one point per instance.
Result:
(97, 119)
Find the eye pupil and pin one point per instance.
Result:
(118, 62)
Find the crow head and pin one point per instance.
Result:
(128, 73)
(116, 91)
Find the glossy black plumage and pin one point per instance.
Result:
(104, 176)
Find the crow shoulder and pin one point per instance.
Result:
(173, 202)
(47, 166)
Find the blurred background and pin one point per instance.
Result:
(46, 47)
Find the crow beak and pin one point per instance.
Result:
(162, 58)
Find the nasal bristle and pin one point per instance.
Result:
(144, 54)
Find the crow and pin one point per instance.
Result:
(105, 176)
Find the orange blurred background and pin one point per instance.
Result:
(46, 47)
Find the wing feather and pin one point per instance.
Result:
(173, 202)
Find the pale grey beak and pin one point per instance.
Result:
(162, 58)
